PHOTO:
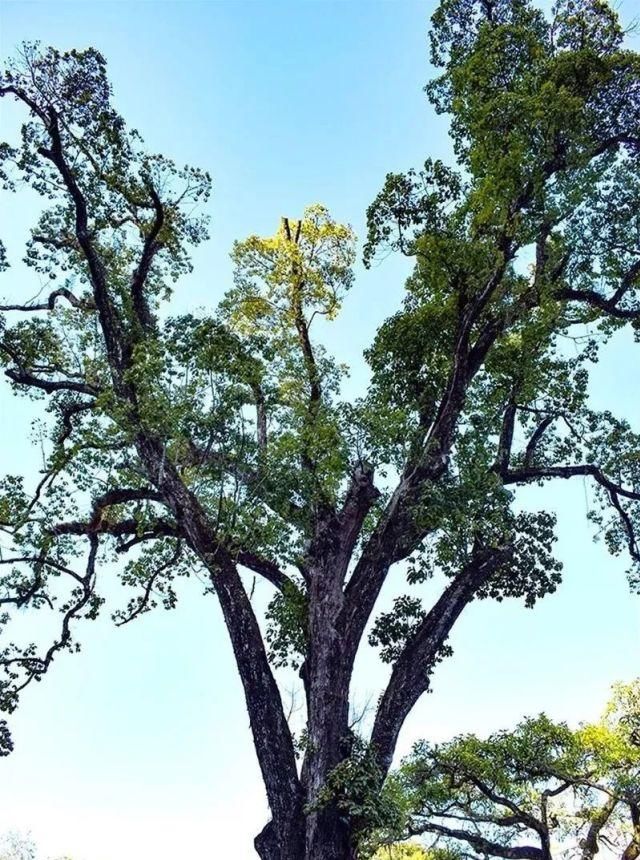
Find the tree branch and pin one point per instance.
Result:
(479, 843)
(109, 320)
(35, 667)
(61, 292)
(534, 473)
(263, 566)
(410, 675)
(589, 844)
(143, 601)
(150, 249)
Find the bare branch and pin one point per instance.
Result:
(61, 292)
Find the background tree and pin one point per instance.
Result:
(17, 846)
(212, 444)
(541, 791)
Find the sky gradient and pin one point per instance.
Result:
(139, 747)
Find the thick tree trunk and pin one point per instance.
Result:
(281, 843)
(332, 839)
(326, 675)
(327, 682)
(331, 836)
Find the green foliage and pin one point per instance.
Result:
(305, 267)
(392, 630)
(286, 632)
(541, 781)
(405, 851)
(247, 409)
(353, 787)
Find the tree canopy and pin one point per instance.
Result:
(216, 443)
(539, 791)
(20, 846)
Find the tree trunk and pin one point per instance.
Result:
(281, 843)
(332, 840)
(327, 830)
(632, 851)
(326, 675)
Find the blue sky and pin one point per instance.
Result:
(139, 747)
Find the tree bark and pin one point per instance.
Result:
(590, 846)
(632, 850)
(327, 683)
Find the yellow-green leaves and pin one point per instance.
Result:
(303, 270)
(403, 851)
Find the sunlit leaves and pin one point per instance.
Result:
(541, 780)
(305, 268)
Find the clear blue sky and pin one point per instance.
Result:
(139, 747)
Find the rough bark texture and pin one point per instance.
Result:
(632, 850)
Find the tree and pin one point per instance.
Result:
(17, 846)
(220, 443)
(541, 791)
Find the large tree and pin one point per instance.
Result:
(220, 443)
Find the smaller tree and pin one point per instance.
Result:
(539, 792)
(17, 846)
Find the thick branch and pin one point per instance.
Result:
(505, 442)
(518, 813)
(410, 675)
(524, 475)
(360, 497)
(481, 844)
(534, 441)
(263, 566)
(608, 305)
(397, 533)
(50, 386)
(99, 522)
(272, 737)
(261, 417)
(271, 734)
(632, 850)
